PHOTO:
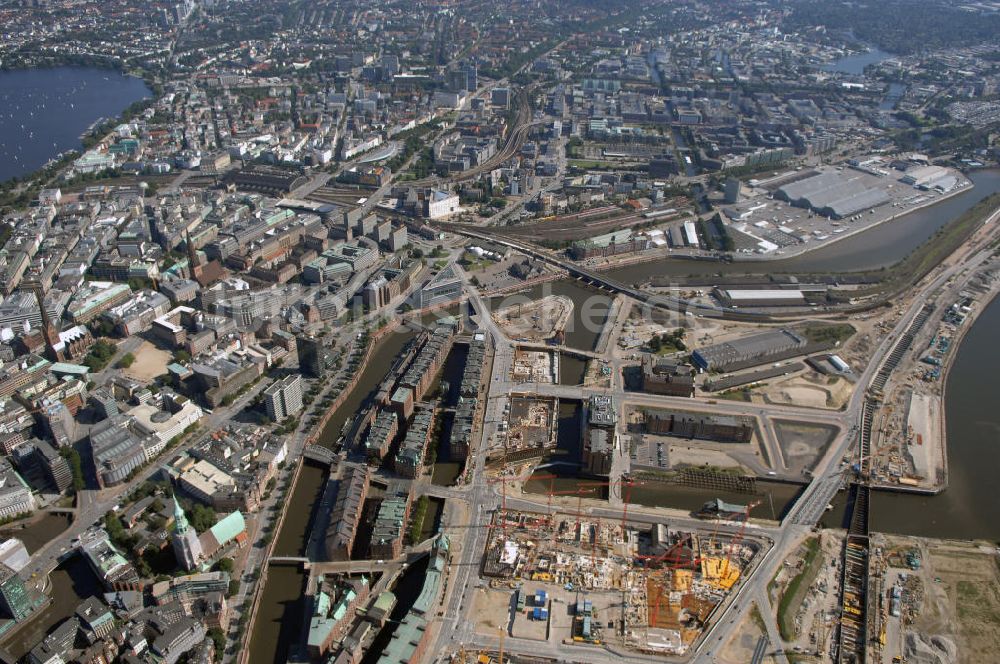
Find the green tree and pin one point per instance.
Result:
(202, 518)
(225, 565)
(219, 640)
(126, 361)
(75, 467)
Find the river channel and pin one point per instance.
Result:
(879, 247)
(968, 508)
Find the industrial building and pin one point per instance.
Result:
(410, 458)
(334, 608)
(381, 434)
(430, 358)
(390, 523)
(611, 244)
(599, 435)
(352, 488)
(761, 297)
(666, 377)
(833, 194)
(930, 177)
(409, 639)
(699, 426)
(749, 351)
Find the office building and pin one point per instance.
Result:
(15, 494)
(315, 357)
(117, 452)
(283, 398)
(14, 554)
(15, 600)
(54, 466)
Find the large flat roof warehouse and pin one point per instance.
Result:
(834, 194)
(764, 296)
(748, 349)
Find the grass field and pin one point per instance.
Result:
(797, 588)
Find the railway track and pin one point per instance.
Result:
(515, 139)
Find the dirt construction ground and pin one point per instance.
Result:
(150, 362)
(960, 603)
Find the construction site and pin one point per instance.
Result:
(908, 447)
(536, 320)
(527, 431)
(534, 366)
(567, 577)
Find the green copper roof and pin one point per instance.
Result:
(180, 519)
(228, 528)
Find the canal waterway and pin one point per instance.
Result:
(280, 601)
(43, 112)
(372, 374)
(571, 369)
(446, 469)
(37, 533)
(71, 583)
(279, 616)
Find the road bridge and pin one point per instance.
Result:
(565, 350)
(668, 302)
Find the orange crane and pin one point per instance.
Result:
(579, 493)
(672, 557)
(506, 480)
(624, 485)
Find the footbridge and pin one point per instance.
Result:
(319, 454)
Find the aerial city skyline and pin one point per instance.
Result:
(535, 331)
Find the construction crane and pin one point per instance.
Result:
(624, 485)
(655, 566)
(739, 535)
(503, 500)
(671, 558)
(579, 492)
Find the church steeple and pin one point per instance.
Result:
(195, 268)
(49, 332)
(187, 545)
(193, 260)
(181, 524)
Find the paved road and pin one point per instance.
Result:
(95, 504)
(828, 477)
